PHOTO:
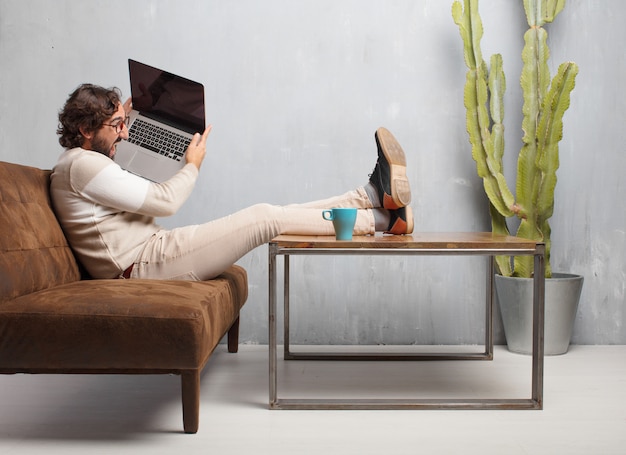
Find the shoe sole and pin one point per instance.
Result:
(400, 188)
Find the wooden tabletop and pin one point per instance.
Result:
(418, 240)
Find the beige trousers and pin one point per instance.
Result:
(201, 252)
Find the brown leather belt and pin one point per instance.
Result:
(126, 273)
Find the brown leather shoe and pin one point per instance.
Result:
(401, 221)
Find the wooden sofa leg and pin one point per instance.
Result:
(190, 382)
(233, 337)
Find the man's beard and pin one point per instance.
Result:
(102, 146)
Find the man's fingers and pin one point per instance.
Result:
(128, 105)
(205, 135)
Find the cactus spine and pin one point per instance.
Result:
(545, 103)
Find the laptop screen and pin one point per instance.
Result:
(167, 97)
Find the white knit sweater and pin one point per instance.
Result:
(107, 214)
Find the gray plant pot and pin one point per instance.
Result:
(515, 297)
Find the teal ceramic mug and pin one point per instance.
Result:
(343, 221)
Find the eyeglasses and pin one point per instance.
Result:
(119, 126)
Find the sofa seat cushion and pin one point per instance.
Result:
(120, 324)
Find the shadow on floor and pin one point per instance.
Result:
(91, 407)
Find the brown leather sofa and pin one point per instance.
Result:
(52, 320)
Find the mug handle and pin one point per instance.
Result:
(328, 215)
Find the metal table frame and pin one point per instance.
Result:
(454, 246)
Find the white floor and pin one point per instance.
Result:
(584, 408)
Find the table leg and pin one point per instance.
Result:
(538, 325)
(490, 292)
(272, 327)
(286, 318)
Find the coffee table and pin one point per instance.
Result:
(424, 244)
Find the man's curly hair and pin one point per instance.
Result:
(88, 107)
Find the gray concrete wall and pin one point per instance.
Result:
(295, 91)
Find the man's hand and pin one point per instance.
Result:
(197, 149)
(128, 106)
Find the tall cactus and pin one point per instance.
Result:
(544, 105)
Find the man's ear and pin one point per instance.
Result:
(86, 134)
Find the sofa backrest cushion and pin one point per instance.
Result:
(34, 253)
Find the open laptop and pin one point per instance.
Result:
(167, 111)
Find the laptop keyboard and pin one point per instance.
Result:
(157, 139)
